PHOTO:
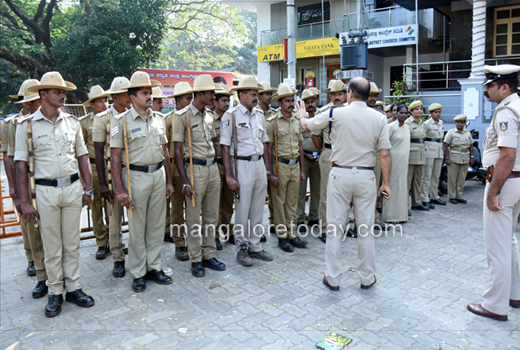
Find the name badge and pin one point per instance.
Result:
(136, 129)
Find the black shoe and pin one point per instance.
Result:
(263, 239)
(159, 277)
(243, 257)
(428, 204)
(213, 264)
(351, 233)
(440, 194)
(101, 253)
(284, 245)
(301, 227)
(79, 298)
(298, 243)
(272, 230)
(53, 307)
(119, 269)
(197, 270)
(323, 237)
(31, 270)
(331, 287)
(380, 210)
(438, 202)
(218, 244)
(453, 201)
(139, 285)
(421, 207)
(181, 253)
(311, 223)
(168, 237)
(463, 201)
(40, 290)
(231, 239)
(125, 250)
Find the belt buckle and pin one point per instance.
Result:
(151, 168)
(63, 181)
(255, 158)
(355, 170)
(210, 161)
(292, 161)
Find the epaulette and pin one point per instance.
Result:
(271, 117)
(120, 115)
(159, 114)
(234, 109)
(84, 117)
(25, 118)
(7, 120)
(182, 111)
(101, 114)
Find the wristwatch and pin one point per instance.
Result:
(268, 172)
(89, 193)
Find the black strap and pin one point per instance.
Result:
(47, 182)
(416, 141)
(433, 140)
(200, 161)
(327, 145)
(286, 160)
(145, 168)
(330, 119)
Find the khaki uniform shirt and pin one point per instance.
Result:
(10, 137)
(357, 130)
(202, 132)
(459, 143)
(324, 133)
(56, 147)
(417, 150)
(168, 124)
(6, 133)
(267, 114)
(99, 127)
(434, 131)
(216, 126)
(251, 131)
(145, 137)
(503, 132)
(307, 143)
(87, 123)
(289, 135)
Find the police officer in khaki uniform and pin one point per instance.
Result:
(434, 153)
(312, 170)
(29, 232)
(458, 153)
(284, 164)
(58, 153)
(8, 131)
(143, 191)
(265, 97)
(183, 96)
(246, 172)
(221, 102)
(98, 101)
(417, 157)
(390, 117)
(355, 134)
(502, 194)
(100, 135)
(194, 124)
(321, 139)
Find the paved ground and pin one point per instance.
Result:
(425, 280)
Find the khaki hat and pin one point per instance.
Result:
(223, 90)
(181, 88)
(374, 89)
(501, 71)
(266, 88)
(29, 96)
(249, 83)
(52, 80)
(118, 86)
(434, 106)
(21, 92)
(142, 80)
(335, 86)
(388, 108)
(310, 93)
(460, 118)
(95, 92)
(204, 82)
(414, 105)
(157, 93)
(379, 103)
(283, 91)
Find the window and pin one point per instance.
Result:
(506, 41)
(312, 13)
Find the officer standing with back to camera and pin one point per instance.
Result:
(502, 194)
(58, 153)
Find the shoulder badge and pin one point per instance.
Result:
(503, 126)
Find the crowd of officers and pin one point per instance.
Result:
(196, 162)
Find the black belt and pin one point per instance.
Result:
(219, 160)
(288, 161)
(334, 165)
(433, 140)
(147, 168)
(327, 145)
(62, 181)
(250, 158)
(209, 161)
(416, 141)
(304, 151)
(92, 160)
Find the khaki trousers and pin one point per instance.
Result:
(286, 203)
(430, 179)
(456, 179)
(358, 187)
(25, 237)
(501, 248)
(379, 200)
(226, 205)
(60, 229)
(35, 243)
(415, 173)
(147, 222)
(115, 236)
(313, 175)
(206, 180)
(249, 210)
(325, 166)
(98, 225)
(177, 213)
